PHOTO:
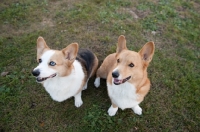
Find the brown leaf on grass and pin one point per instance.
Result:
(4, 74)
(41, 123)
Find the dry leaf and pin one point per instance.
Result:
(4, 74)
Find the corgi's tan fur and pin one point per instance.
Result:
(126, 74)
(64, 73)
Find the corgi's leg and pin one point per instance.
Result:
(101, 73)
(85, 86)
(78, 100)
(97, 82)
(137, 110)
(112, 110)
(98, 75)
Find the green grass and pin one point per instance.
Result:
(173, 103)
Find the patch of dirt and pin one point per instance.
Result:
(136, 14)
(183, 11)
(128, 11)
(155, 1)
(62, 5)
(196, 6)
(47, 22)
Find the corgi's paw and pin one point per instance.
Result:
(97, 82)
(112, 111)
(85, 87)
(78, 103)
(78, 100)
(137, 110)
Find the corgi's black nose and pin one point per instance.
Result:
(36, 72)
(115, 74)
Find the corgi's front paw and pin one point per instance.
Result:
(78, 100)
(97, 82)
(78, 103)
(137, 110)
(112, 111)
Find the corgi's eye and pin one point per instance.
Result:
(131, 65)
(51, 63)
(118, 60)
(40, 60)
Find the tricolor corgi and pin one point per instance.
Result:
(64, 73)
(126, 74)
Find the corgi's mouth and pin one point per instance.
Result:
(41, 79)
(118, 82)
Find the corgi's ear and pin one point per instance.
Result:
(41, 46)
(147, 52)
(70, 52)
(121, 44)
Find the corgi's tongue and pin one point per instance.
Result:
(118, 82)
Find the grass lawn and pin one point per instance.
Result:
(173, 103)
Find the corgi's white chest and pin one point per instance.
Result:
(62, 88)
(123, 95)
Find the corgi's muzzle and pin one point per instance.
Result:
(117, 81)
(36, 73)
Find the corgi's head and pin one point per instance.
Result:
(53, 63)
(131, 66)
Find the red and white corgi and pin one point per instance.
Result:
(64, 73)
(126, 73)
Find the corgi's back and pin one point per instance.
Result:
(88, 61)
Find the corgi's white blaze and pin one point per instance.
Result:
(120, 77)
(123, 95)
(44, 68)
(62, 88)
